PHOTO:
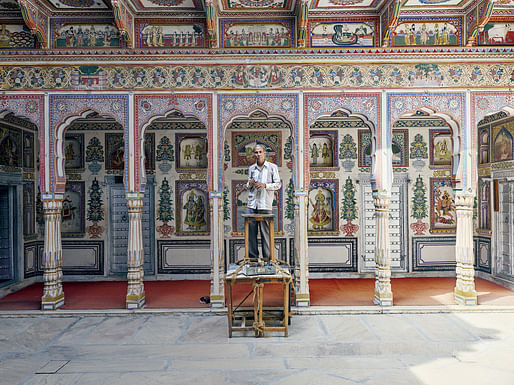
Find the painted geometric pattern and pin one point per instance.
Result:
(290, 76)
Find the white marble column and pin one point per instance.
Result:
(464, 292)
(135, 253)
(302, 255)
(53, 295)
(217, 272)
(383, 292)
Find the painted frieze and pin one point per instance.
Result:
(443, 217)
(163, 34)
(79, 4)
(69, 34)
(429, 32)
(358, 33)
(257, 4)
(173, 4)
(257, 34)
(192, 208)
(497, 32)
(16, 36)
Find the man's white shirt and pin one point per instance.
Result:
(263, 198)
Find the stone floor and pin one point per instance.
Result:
(192, 348)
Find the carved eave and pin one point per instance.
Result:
(37, 20)
(124, 21)
(211, 21)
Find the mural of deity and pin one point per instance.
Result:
(192, 152)
(321, 152)
(321, 211)
(442, 154)
(503, 146)
(195, 212)
(9, 152)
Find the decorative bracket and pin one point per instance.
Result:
(124, 21)
(479, 28)
(211, 19)
(393, 23)
(36, 20)
(303, 19)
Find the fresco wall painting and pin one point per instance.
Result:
(443, 217)
(261, 34)
(503, 140)
(440, 148)
(192, 208)
(243, 143)
(359, 33)
(162, 34)
(447, 32)
(68, 34)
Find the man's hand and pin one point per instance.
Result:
(260, 185)
(252, 182)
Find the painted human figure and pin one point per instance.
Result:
(199, 213)
(314, 154)
(325, 154)
(320, 214)
(263, 181)
(188, 151)
(191, 211)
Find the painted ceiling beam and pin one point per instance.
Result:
(302, 21)
(479, 27)
(124, 21)
(211, 20)
(36, 20)
(393, 23)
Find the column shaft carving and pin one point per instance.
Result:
(53, 295)
(135, 255)
(383, 293)
(217, 271)
(464, 292)
(302, 256)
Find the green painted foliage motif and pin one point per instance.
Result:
(226, 210)
(94, 151)
(349, 203)
(165, 150)
(418, 148)
(95, 212)
(348, 148)
(290, 200)
(165, 203)
(419, 200)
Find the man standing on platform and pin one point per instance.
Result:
(263, 181)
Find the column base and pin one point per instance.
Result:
(383, 299)
(136, 301)
(468, 298)
(52, 303)
(303, 300)
(217, 302)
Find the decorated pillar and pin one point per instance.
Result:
(464, 292)
(135, 253)
(53, 295)
(302, 257)
(383, 293)
(217, 292)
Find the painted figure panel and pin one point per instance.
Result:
(323, 149)
(436, 33)
(192, 209)
(484, 213)
(364, 148)
(74, 151)
(341, 3)
(93, 35)
(150, 151)
(440, 148)
(497, 33)
(400, 148)
(503, 140)
(28, 149)
(323, 206)
(114, 151)
(243, 143)
(443, 217)
(16, 36)
(171, 35)
(192, 151)
(11, 151)
(29, 212)
(73, 210)
(239, 203)
(79, 4)
(483, 143)
(360, 34)
(276, 34)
